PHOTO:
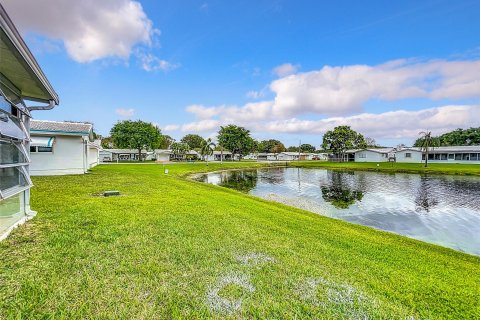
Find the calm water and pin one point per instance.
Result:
(439, 209)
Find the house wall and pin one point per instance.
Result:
(162, 157)
(370, 156)
(93, 157)
(285, 157)
(416, 156)
(67, 157)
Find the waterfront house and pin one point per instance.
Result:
(220, 156)
(374, 155)
(62, 147)
(21, 79)
(450, 154)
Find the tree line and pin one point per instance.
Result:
(140, 135)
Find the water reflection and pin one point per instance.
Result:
(438, 209)
(425, 199)
(243, 181)
(338, 192)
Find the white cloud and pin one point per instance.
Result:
(89, 29)
(248, 112)
(391, 124)
(285, 69)
(344, 90)
(254, 94)
(201, 126)
(150, 63)
(171, 127)
(125, 113)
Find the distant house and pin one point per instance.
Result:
(410, 155)
(451, 154)
(292, 156)
(163, 155)
(219, 156)
(114, 155)
(374, 155)
(59, 148)
(267, 156)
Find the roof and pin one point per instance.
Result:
(124, 151)
(447, 149)
(19, 65)
(289, 153)
(220, 152)
(65, 127)
(378, 150)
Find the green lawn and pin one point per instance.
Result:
(174, 248)
(434, 168)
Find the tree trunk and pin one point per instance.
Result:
(139, 154)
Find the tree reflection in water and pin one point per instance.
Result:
(425, 200)
(243, 181)
(339, 193)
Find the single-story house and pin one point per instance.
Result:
(163, 155)
(58, 148)
(450, 154)
(220, 155)
(21, 79)
(114, 155)
(267, 156)
(292, 156)
(375, 155)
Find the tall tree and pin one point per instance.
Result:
(135, 135)
(107, 143)
(179, 149)
(207, 149)
(342, 138)
(271, 146)
(236, 139)
(193, 140)
(166, 141)
(458, 137)
(293, 149)
(427, 142)
(307, 148)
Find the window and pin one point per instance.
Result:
(436, 156)
(466, 156)
(408, 155)
(458, 156)
(430, 156)
(451, 156)
(443, 156)
(35, 149)
(362, 155)
(12, 153)
(473, 157)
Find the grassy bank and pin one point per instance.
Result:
(169, 247)
(433, 168)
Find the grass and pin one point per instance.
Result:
(432, 168)
(169, 247)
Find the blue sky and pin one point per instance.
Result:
(284, 69)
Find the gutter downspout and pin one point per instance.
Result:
(50, 106)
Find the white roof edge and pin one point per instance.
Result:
(12, 33)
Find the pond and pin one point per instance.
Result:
(444, 210)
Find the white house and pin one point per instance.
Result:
(59, 148)
(163, 155)
(114, 155)
(21, 79)
(410, 155)
(217, 156)
(451, 154)
(292, 156)
(375, 155)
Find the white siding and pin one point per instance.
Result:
(67, 157)
(415, 156)
(370, 156)
(93, 157)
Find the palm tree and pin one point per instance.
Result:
(207, 149)
(426, 143)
